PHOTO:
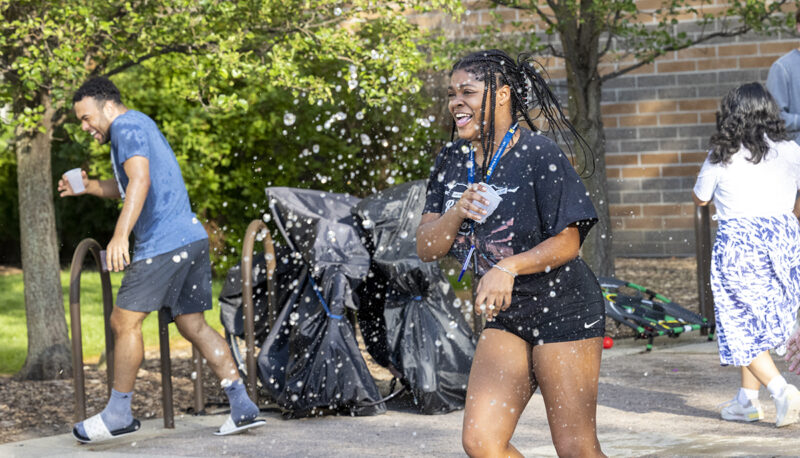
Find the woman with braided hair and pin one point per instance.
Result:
(505, 201)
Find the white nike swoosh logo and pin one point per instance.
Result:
(589, 325)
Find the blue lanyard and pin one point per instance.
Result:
(495, 159)
(489, 172)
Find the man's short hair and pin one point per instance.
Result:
(100, 88)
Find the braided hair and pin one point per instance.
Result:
(529, 91)
(747, 114)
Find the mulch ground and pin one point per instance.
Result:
(8, 270)
(30, 409)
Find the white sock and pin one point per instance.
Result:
(776, 386)
(746, 396)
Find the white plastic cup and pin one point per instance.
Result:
(494, 200)
(75, 179)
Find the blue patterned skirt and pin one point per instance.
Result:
(755, 277)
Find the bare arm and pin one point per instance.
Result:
(106, 189)
(138, 170)
(436, 232)
(551, 253)
(495, 287)
(796, 209)
(703, 203)
(793, 351)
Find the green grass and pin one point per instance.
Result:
(14, 333)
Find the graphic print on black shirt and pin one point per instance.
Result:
(497, 245)
(542, 195)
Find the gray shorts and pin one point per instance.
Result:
(179, 280)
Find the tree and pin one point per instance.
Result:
(590, 31)
(48, 48)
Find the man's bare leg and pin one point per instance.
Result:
(212, 346)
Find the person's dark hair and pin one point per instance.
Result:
(746, 114)
(100, 88)
(529, 91)
(797, 17)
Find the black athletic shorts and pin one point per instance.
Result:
(539, 325)
(563, 305)
(179, 280)
(545, 321)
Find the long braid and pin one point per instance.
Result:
(482, 119)
(559, 127)
(488, 148)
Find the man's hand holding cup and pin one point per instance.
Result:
(73, 183)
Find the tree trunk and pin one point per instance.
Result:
(579, 40)
(49, 354)
(598, 249)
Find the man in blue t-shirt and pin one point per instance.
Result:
(170, 267)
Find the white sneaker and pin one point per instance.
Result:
(733, 411)
(787, 406)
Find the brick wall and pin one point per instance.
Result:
(657, 120)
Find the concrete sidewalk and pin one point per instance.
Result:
(662, 403)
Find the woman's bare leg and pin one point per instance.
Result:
(749, 381)
(568, 374)
(763, 368)
(500, 384)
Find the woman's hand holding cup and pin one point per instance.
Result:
(472, 204)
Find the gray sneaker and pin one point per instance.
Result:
(733, 411)
(788, 406)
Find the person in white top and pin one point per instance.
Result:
(752, 174)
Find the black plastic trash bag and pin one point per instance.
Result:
(409, 315)
(310, 361)
(319, 226)
(230, 298)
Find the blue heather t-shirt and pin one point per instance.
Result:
(166, 222)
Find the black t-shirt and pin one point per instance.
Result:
(542, 195)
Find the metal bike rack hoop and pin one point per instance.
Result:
(255, 228)
(703, 244)
(78, 378)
